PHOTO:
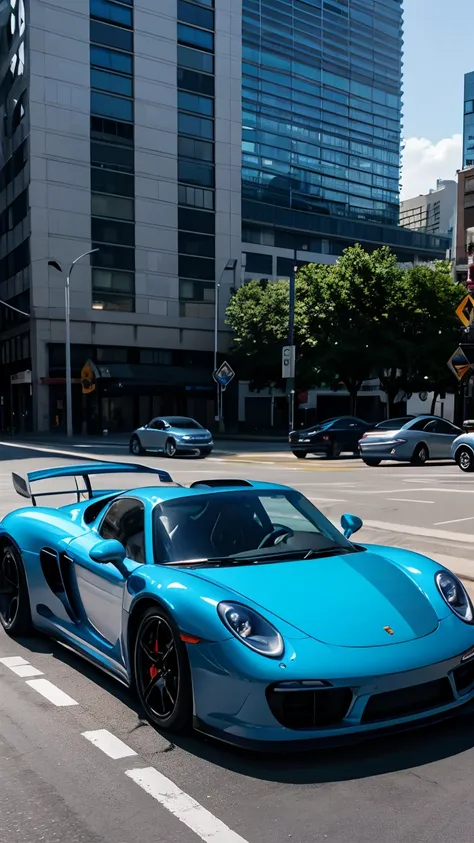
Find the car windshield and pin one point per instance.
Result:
(243, 527)
(183, 424)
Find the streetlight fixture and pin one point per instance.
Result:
(67, 304)
(229, 267)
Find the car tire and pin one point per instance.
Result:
(465, 459)
(372, 463)
(15, 611)
(161, 671)
(136, 447)
(420, 455)
(170, 448)
(300, 455)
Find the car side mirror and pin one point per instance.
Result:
(110, 552)
(351, 524)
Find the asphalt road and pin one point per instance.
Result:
(64, 780)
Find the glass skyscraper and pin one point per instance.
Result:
(321, 125)
(468, 145)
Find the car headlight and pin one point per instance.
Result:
(251, 629)
(455, 595)
(185, 437)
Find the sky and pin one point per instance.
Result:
(437, 55)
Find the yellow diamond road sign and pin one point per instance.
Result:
(459, 364)
(465, 310)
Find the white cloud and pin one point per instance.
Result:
(424, 162)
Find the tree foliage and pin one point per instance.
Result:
(359, 318)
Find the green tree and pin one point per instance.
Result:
(359, 318)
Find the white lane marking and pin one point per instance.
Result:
(454, 521)
(184, 807)
(25, 670)
(108, 743)
(427, 532)
(13, 661)
(51, 692)
(326, 500)
(408, 500)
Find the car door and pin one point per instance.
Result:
(355, 432)
(446, 433)
(153, 436)
(433, 439)
(100, 588)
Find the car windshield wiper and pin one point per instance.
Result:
(254, 558)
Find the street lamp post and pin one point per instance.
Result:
(67, 306)
(230, 266)
(291, 340)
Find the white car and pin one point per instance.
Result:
(415, 441)
(462, 451)
(172, 435)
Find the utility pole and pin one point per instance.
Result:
(291, 381)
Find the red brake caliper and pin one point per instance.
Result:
(154, 670)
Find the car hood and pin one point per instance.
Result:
(353, 600)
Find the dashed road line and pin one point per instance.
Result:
(19, 665)
(51, 692)
(109, 744)
(454, 521)
(184, 807)
(408, 500)
(426, 532)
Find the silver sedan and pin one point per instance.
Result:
(415, 441)
(172, 435)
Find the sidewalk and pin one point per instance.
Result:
(124, 438)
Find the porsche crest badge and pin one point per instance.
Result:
(389, 630)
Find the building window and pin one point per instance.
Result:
(200, 83)
(196, 103)
(112, 206)
(195, 59)
(196, 197)
(193, 172)
(114, 83)
(108, 181)
(111, 60)
(111, 12)
(107, 105)
(195, 37)
(262, 264)
(197, 291)
(195, 15)
(112, 156)
(199, 268)
(111, 36)
(190, 243)
(200, 127)
(113, 232)
(113, 257)
(191, 148)
(113, 290)
(196, 221)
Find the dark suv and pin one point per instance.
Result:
(330, 437)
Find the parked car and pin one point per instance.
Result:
(172, 435)
(462, 450)
(330, 437)
(196, 597)
(416, 441)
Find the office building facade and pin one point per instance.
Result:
(433, 212)
(468, 135)
(182, 140)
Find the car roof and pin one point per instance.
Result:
(160, 494)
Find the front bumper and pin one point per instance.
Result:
(192, 447)
(407, 685)
(311, 447)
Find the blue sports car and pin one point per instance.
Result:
(238, 607)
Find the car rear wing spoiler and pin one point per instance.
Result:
(22, 485)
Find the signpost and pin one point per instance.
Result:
(288, 358)
(465, 311)
(223, 376)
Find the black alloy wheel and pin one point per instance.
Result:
(300, 455)
(420, 455)
(372, 463)
(162, 674)
(15, 613)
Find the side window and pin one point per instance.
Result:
(446, 427)
(340, 424)
(421, 425)
(156, 424)
(125, 521)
